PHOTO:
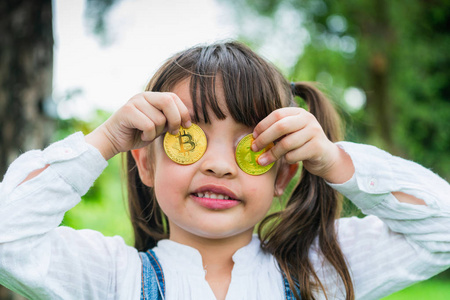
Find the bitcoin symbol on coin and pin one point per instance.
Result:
(186, 139)
(187, 147)
(252, 157)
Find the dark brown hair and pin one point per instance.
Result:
(253, 88)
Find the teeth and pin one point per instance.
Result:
(213, 196)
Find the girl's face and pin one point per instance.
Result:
(181, 189)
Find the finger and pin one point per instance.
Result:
(184, 112)
(144, 124)
(289, 143)
(160, 121)
(275, 116)
(300, 154)
(277, 130)
(315, 153)
(165, 103)
(286, 145)
(152, 113)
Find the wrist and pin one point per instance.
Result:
(342, 168)
(99, 140)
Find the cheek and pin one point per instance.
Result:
(166, 195)
(168, 179)
(262, 185)
(262, 192)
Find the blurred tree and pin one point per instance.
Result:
(26, 56)
(394, 51)
(26, 70)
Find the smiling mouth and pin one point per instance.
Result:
(212, 195)
(215, 201)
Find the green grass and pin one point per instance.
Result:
(432, 289)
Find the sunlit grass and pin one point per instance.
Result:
(432, 289)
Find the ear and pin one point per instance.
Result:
(284, 176)
(143, 164)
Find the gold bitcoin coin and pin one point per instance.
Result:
(247, 159)
(187, 146)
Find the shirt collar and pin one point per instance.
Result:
(180, 256)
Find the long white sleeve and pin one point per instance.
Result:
(398, 244)
(43, 261)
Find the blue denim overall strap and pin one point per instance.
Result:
(153, 286)
(288, 290)
(153, 283)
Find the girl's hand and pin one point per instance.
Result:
(299, 137)
(141, 120)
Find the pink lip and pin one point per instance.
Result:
(216, 204)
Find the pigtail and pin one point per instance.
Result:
(310, 214)
(148, 220)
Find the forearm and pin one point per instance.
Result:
(390, 187)
(41, 185)
(406, 242)
(96, 139)
(343, 170)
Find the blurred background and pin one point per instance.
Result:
(66, 65)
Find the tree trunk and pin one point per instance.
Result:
(26, 66)
(379, 36)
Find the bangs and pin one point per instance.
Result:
(252, 87)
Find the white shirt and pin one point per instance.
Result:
(397, 245)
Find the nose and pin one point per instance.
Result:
(219, 160)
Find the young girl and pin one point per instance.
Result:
(197, 192)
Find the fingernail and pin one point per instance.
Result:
(255, 135)
(254, 148)
(263, 160)
(175, 132)
(187, 124)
